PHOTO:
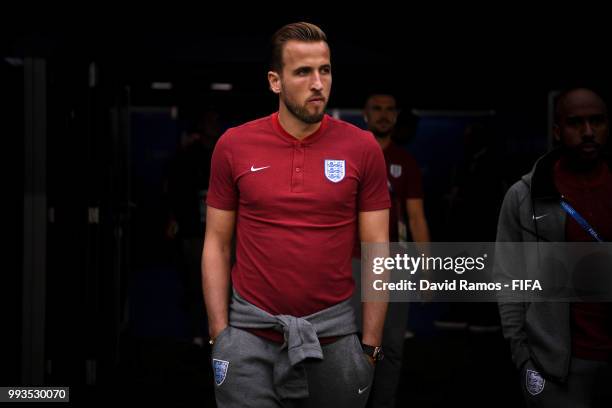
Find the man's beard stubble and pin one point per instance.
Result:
(376, 130)
(301, 112)
(381, 135)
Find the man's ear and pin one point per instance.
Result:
(557, 132)
(274, 82)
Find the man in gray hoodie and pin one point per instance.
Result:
(563, 350)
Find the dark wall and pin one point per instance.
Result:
(431, 67)
(12, 98)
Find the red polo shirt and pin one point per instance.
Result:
(404, 177)
(297, 204)
(591, 196)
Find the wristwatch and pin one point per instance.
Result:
(375, 352)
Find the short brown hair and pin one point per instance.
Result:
(295, 31)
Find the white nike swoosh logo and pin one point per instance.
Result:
(539, 216)
(360, 391)
(253, 168)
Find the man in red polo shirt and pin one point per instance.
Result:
(407, 222)
(295, 186)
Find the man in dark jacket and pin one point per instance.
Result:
(563, 349)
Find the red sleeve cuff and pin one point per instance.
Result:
(228, 205)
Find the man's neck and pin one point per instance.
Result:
(384, 141)
(294, 126)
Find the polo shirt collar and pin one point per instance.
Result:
(310, 139)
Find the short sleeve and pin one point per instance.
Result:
(373, 189)
(412, 187)
(222, 191)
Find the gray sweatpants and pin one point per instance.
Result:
(588, 386)
(243, 371)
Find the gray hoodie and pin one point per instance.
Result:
(301, 338)
(538, 331)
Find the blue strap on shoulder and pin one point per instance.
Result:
(580, 220)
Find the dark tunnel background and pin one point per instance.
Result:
(90, 297)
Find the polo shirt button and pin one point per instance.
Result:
(297, 169)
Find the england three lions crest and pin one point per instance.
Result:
(534, 382)
(220, 370)
(335, 170)
(395, 170)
